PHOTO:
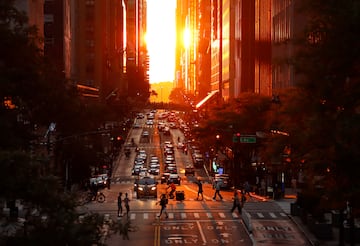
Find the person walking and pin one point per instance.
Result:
(163, 201)
(120, 207)
(200, 190)
(217, 190)
(127, 205)
(237, 203)
(247, 188)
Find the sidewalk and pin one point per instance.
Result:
(284, 203)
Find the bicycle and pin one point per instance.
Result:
(89, 197)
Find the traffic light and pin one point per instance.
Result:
(236, 137)
(118, 141)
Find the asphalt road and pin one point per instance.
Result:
(191, 222)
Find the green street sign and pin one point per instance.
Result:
(248, 139)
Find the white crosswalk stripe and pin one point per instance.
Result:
(260, 215)
(234, 215)
(146, 216)
(203, 215)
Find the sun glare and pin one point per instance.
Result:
(160, 38)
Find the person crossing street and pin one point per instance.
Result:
(200, 190)
(163, 201)
(237, 203)
(217, 190)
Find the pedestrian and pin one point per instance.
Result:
(94, 190)
(237, 203)
(120, 208)
(247, 188)
(126, 202)
(108, 183)
(172, 187)
(217, 190)
(163, 201)
(200, 190)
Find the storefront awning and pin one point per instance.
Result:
(206, 99)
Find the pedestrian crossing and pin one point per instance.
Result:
(218, 215)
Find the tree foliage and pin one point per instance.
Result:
(33, 93)
(327, 106)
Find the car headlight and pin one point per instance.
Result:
(141, 188)
(153, 188)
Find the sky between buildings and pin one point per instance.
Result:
(161, 35)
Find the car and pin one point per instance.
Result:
(189, 170)
(224, 179)
(145, 134)
(149, 122)
(143, 171)
(136, 125)
(164, 178)
(154, 171)
(180, 145)
(140, 116)
(174, 178)
(100, 180)
(170, 158)
(145, 187)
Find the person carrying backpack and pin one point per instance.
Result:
(163, 201)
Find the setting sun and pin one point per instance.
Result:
(160, 37)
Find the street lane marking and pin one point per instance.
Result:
(234, 215)
(183, 215)
(157, 236)
(132, 216)
(171, 215)
(272, 215)
(201, 232)
(260, 215)
(222, 215)
(209, 215)
(196, 215)
(283, 214)
(146, 216)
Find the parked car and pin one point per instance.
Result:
(145, 187)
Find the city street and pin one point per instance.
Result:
(191, 222)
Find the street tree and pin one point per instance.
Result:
(246, 115)
(33, 93)
(324, 136)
